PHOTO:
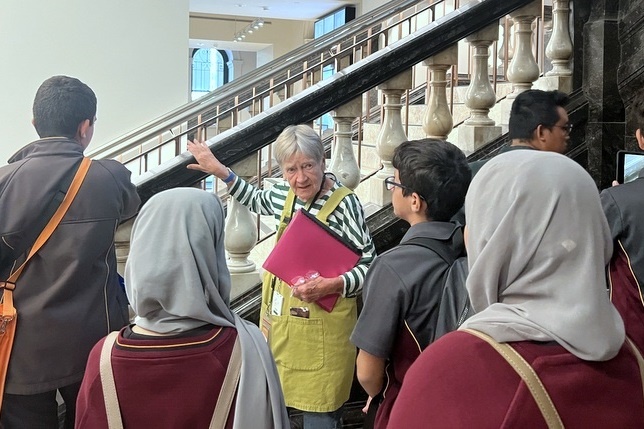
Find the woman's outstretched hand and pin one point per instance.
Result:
(206, 161)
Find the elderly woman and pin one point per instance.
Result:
(314, 357)
(538, 244)
(172, 367)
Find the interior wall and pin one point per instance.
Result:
(133, 54)
(284, 35)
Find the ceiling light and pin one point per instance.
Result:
(255, 25)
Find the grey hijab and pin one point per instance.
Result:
(538, 245)
(177, 279)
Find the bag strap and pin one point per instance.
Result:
(55, 219)
(110, 397)
(8, 310)
(228, 389)
(529, 377)
(22, 250)
(638, 356)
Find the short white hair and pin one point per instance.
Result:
(298, 138)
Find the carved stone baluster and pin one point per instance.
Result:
(391, 133)
(523, 69)
(479, 128)
(343, 161)
(438, 122)
(241, 235)
(559, 49)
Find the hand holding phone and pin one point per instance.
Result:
(629, 164)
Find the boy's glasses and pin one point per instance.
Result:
(390, 184)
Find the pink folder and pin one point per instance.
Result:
(308, 245)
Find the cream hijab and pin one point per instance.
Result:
(538, 245)
(177, 279)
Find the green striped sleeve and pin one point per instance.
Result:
(265, 202)
(350, 217)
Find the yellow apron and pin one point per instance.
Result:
(315, 359)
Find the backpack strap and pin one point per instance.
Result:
(441, 248)
(529, 377)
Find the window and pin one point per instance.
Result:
(211, 68)
(323, 26)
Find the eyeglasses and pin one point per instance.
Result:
(390, 184)
(566, 128)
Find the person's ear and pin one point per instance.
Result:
(640, 138)
(539, 137)
(416, 203)
(81, 133)
(33, 121)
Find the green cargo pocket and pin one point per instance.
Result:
(298, 343)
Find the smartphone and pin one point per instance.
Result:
(629, 165)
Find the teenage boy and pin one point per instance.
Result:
(624, 206)
(68, 296)
(403, 286)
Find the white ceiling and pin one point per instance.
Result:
(280, 9)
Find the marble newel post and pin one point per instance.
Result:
(391, 134)
(479, 128)
(559, 49)
(343, 160)
(438, 122)
(241, 235)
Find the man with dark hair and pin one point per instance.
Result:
(403, 286)
(538, 120)
(68, 296)
(624, 205)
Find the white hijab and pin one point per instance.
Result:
(177, 279)
(538, 245)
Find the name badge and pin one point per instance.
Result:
(276, 306)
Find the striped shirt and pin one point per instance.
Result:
(347, 220)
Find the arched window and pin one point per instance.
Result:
(211, 68)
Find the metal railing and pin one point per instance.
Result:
(260, 90)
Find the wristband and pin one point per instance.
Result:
(230, 177)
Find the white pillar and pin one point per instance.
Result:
(559, 50)
(391, 133)
(523, 69)
(241, 235)
(438, 121)
(479, 128)
(343, 160)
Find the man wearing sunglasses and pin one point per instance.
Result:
(538, 121)
(403, 286)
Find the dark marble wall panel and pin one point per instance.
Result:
(601, 54)
(630, 74)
